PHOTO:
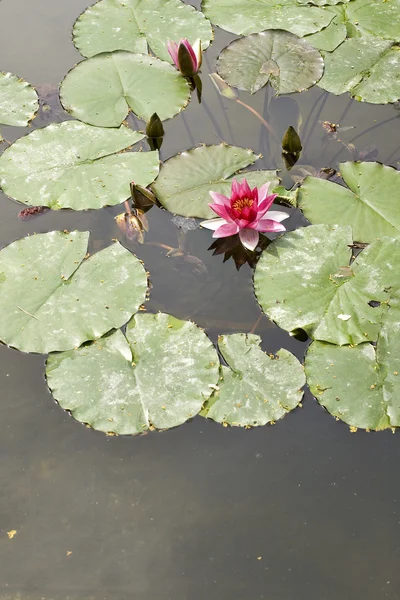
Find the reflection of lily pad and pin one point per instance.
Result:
(186, 179)
(102, 89)
(360, 385)
(159, 376)
(253, 16)
(289, 63)
(370, 204)
(304, 280)
(74, 165)
(134, 25)
(53, 299)
(368, 68)
(256, 388)
(18, 101)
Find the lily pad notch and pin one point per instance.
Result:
(287, 62)
(102, 90)
(136, 26)
(74, 165)
(157, 377)
(255, 388)
(53, 297)
(185, 180)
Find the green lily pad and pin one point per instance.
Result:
(255, 388)
(135, 25)
(360, 385)
(286, 196)
(368, 68)
(186, 179)
(379, 19)
(254, 16)
(370, 204)
(52, 298)
(304, 280)
(101, 90)
(322, 2)
(330, 37)
(18, 101)
(280, 58)
(159, 376)
(74, 165)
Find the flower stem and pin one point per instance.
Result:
(263, 121)
(256, 324)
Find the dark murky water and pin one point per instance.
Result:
(303, 510)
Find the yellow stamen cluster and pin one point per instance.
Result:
(242, 203)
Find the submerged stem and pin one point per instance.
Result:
(263, 121)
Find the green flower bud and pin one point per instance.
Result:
(291, 143)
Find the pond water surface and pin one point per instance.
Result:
(303, 509)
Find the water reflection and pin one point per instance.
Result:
(303, 509)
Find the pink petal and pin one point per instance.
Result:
(265, 204)
(172, 48)
(235, 188)
(249, 238)
(192, 53)
(245, 191)
(213, 223)
(263, 192)
(277, 215)
(221, 211)
(198, 52)
(220, 198)
(269, 225)
(226, 230)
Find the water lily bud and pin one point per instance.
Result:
(291, 143)
(142, 198)
(222, 87)
(131, 226)
(187, 58)
(197, 49)
(187, 65)
(154, 128)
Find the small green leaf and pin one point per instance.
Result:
(255, 388)
(18, 101)
(286, 196)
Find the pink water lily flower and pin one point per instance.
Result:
(246, 212)
(187, 58)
